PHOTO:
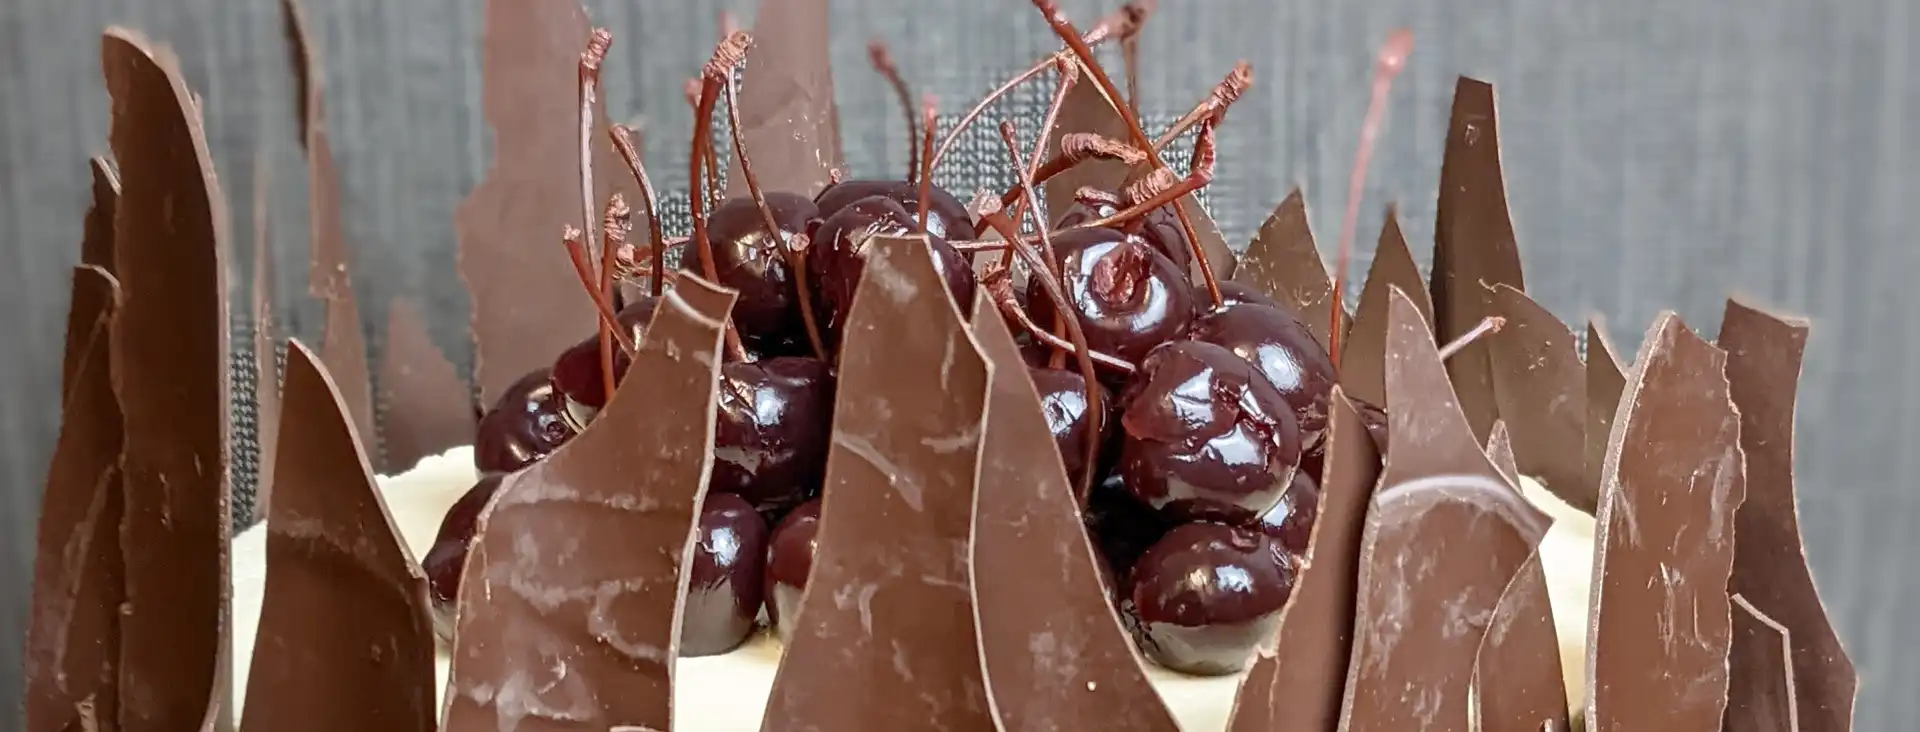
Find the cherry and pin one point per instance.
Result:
(1121, 527)
(947, 219)
(1204, 436)
(1290, 522)
(724, 584)
(1128, 297)
(576, 373)
(1237, 293)
(1204, 596)
(1160, 228)
(1282, 349)
(837, 257)
(448, 555)
(1063, 397)
(527, 423)
(1375, 420)
(748, 260)
(770, 440)
(789, 561)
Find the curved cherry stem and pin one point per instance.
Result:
(1387, 64)
(1488, 325)
(719, 68)
(881, 59)
(1032, 202)
(589, 76)
(1069, 75)
(801, 293)
(656, 235)
(1010, 307)
(575, 241)
(929, 117)
(1222, 96)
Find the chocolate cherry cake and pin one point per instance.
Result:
(856, 455)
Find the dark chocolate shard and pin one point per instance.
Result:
(1072, 667)
(345, 640)
(96, 243)
(1473, 243)
(1663, 542)
(266, 346)
(1500, 451)
(1540, 386)
(1297, 686)
(170, 372)
(788, 118)
(1516, 675)
(428, 406)
(1770, 566)
(569, 608)
(1445, 532)
(1363, 354)
(1760, 674)
(887, 635)
(1283, 262)
(84, 324)
(72, 646)
(1606, 380)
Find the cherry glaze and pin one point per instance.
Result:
(527, 423)
(1128, 297)
(789, 561)
(1203, 597)
(747, 259)
(770, 438)
(1282, 349)
(724, 582)
(1063, 398)
(1290, 522)
(947, 219)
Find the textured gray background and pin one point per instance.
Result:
(1659, 154)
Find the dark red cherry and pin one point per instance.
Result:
(1206, 595)
(837, 258)
(448, 555)
(1160, 228)
(1063, 398)
(1290, 522)
(1121, 526)
(1235, 293)
(1281, 349)
(1128, 297)
(1375, 419)
(770, 440)
(576, 373)
(789, 560)
(527, 423)
(1204, 436)
(724, 586)
(948, 219)
(747, 259)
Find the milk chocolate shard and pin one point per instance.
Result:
(1283, 262)
(1606, 379)
(1540, 385)
(1760, 674)
(1073, 668)
(1445, 534)
(1296, 686)
(1363, 354)
(72, 647)
(1663, 542)
(787, 113)
(170, 372)
(427, 406)
(886, 639)
(1473, 242)
(344, 612)
(1500, 451)
(1516, 674)
(84, 324)
(1770, 563)
(568, 616)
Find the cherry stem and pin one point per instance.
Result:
(1011, 307)
(1052, 261)
(1136, 13)
(575, 241)
(881, 59)
(965, 247)
(656, 236)
(1223, 95)
(589, 76)
(1069, 75)
(1386, 65)
(719, 68)
(1488, 325)
(613, 237)
(929, 115)
(800, 289)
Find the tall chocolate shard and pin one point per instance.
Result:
(1540, 387)
(427, 406)
(788, 118)
(1363, 353)
(1760, 674)
(1516, 675)
(1283, 262)
(1606, 380)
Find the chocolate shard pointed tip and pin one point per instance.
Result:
(1364, 353)
(788, 118)
(1540, 387)
(1474, 242)
(1283, 262)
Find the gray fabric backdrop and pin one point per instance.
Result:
(1659, 154)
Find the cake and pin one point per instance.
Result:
(878, 459)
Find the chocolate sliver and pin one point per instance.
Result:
(568, 615)
(1298, 683)
(72, 646)
(1540, 386)
(1071, 668)
(427, 405)
(1473, 242)
(1770, 566)
(788, 119)
(84, 323)
(1500, 451)
(1761, 678)
(1212, 242)
(170, 372)
(344, 613)
(1363, 354)
(886, 638)
(1283, 262)
(1516, 675)
(1606, 380)
(1444, 536)
(1659, 629)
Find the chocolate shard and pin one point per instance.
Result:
(1500, 451)
(344, 613)
(84, 325)
(1445, 532)
(1539, 384)
(1760, 674)
(1473, 243)
(96, 243)
(1073, 667)
(170, 374)
(266, 346)
(569, 604)
(72, 646)
(1663, 542)
(1516, 675)
(1363, 354)
(1606, 380)
(1770, 564)
(1283, 262)
(887, 639)
(428, 407)
(788, 118)
(1297, 685)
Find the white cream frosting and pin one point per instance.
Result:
(727, 693)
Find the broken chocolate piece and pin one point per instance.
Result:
(1473, 243)
(345, 640)
(1770, 565)
(569, 605)
(1072, 667)
(1445, 532)
(788, 118)
(1540, 387)
(1760, 674)
(1516, 675)
(1606, 379)
(1500, 451)
(1663, 542)
(887, 635)
(169, 346)
(427, 406)
(1297, 685)
(1282, 262)
(1363, 354)
(72, 647)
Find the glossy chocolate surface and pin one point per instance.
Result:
(725, 581)
(527, 424)
(1206, 594)
(1128, 297)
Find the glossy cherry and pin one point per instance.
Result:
(527, 423)
(948, 219)
(576, 373)
(836, 259)
(1282, 349)
(1290, 522)
(1375, 420)
(748, 260)
(789, 561)
(770, 439)
(1235, 293)
(724, 583)
(1128, 297)
(1202, 598)
(448, 555)
(1159, 227)
(1063, 398)
(1121, 527)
